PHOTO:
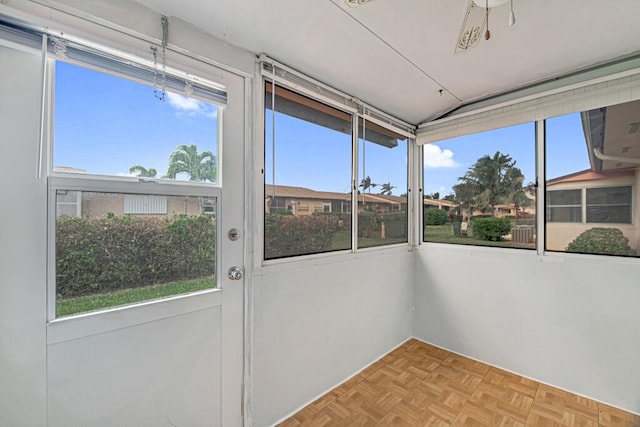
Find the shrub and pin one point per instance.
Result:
(435, 217)
(492, 229)
(395, 224)
(288, 235)
(601, 240)
(369, 224)
(104, 254)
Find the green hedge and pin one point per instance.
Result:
(288, 235)
(435, 217)
(95, 255)
(395, 224)
(601, 240)
(492, 229)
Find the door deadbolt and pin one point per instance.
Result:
(235, 273)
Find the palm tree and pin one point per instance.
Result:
(366, 184)
(385, 189)
(198, 166)
(143, 172)
(516, 193)
(465, 195)
(490, 176)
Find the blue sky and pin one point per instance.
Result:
(313, 156)
(446, 161)
(105, 125)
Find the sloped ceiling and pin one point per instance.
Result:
(398, 55)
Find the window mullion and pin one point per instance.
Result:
(355, 171)
(541, 187)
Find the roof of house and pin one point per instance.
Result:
(303, 193)
(307, 193)
(590, 175)
(439, 202)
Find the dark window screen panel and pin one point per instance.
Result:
(564, 197)
(614, 214)
(609, 196)
(609, 205)
(564, 214)
(564, 206)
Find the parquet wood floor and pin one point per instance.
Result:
(421, 385)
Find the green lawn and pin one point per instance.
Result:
(68, 306)
(444, 234)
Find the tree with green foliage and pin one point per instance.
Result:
(366, 184)
(143, 172)
(495, 180)
(197, 166)
(386, 189)
(516, 194)
(465, 195)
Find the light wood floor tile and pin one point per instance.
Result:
(610, 416)
(422, 385)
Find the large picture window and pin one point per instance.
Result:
(480, 189)
(307, 175)
(120, 237)
(312, 183)
(591, 163)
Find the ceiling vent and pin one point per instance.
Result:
(634, 128)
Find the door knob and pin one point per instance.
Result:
(235, 273)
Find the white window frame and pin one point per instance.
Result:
(60, 180)
(581, 206)
(586, 205)
(279, 74)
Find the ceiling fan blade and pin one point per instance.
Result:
(472, 26)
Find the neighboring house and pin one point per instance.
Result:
(305, 201)
(85, 204)
(606, 195)
(94, 204)
(445, 205)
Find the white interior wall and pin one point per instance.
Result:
(23, 231)
(568, 320)
(318, 322)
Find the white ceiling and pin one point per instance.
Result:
(398, 54)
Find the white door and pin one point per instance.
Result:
(173, 360)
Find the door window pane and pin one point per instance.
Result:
(105, 257)
(382, 192)
(109, 125)
(307, 175)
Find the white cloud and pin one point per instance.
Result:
(435, 157)
(184, 104)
